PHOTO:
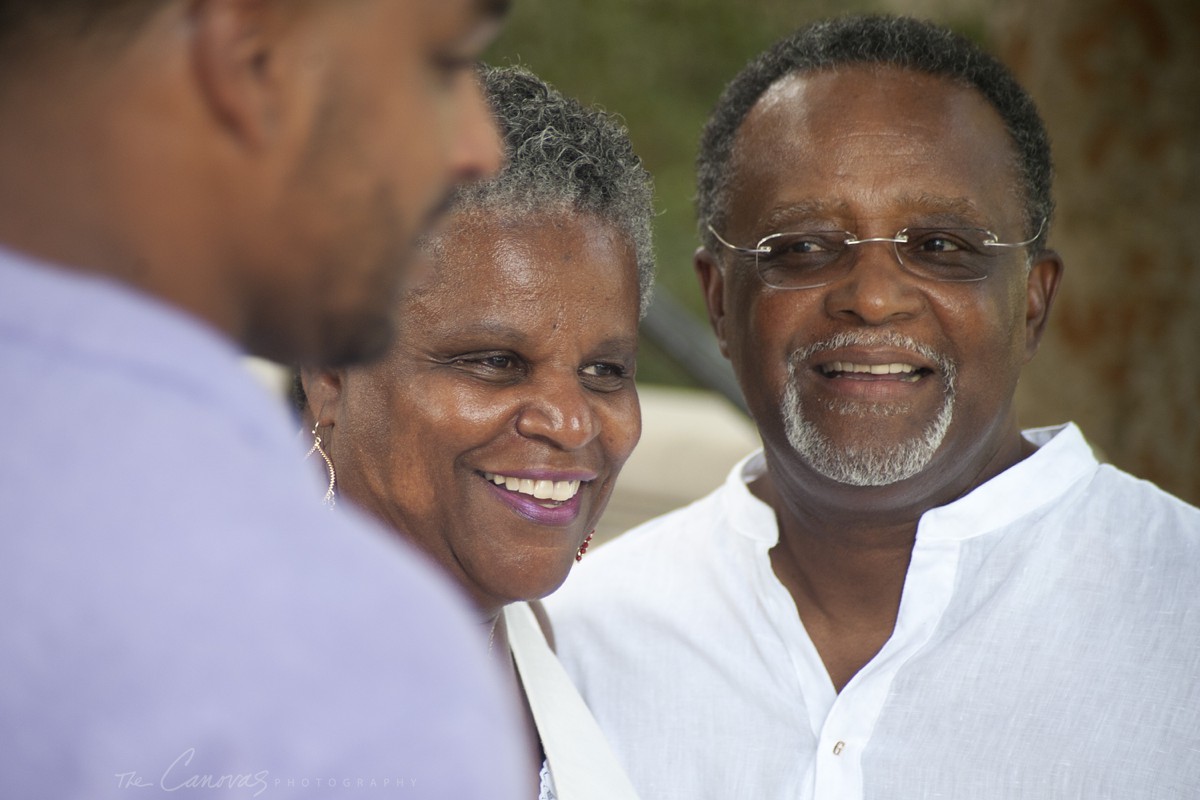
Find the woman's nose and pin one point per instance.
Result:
(559, 412)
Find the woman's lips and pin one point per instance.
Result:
(540, 488)
(541, 499)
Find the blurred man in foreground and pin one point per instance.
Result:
(181, 183)
(903, 595)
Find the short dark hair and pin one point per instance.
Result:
(884, 40)
(79, 19)
(564, 156)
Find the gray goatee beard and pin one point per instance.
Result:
(871, 464)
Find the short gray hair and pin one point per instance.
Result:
(563, 156)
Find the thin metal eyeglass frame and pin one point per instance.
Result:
(898, 239)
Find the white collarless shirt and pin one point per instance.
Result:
(1047, 646)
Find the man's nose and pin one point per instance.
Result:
(876, 290)
(477, 152)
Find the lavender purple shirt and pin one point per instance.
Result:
(179, 616)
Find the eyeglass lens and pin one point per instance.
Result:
(815, 258)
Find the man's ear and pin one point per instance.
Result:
(1040, 289)
(236, 55)
(712, 283)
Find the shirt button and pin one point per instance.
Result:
(838, 748)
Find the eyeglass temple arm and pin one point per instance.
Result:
(747, 250)
(993, 243)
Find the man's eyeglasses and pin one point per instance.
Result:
(808, 259)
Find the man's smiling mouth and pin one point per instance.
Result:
(894, 371)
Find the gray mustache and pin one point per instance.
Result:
(878, 339)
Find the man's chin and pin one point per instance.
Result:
(863, 464)
(864, 450)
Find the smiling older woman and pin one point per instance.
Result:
(493, 431)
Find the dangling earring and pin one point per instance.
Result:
(583, 547)
(330, 498)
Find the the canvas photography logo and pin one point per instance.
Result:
(186, 776)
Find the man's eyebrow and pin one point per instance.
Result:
(804, 208)
(920, 202)
(962, 206)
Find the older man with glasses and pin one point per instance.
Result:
(903, 595)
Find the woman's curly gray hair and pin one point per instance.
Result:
(563, 156)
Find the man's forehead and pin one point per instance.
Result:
(863, 101)
(922, 140)
(831, 90)
(928, 204)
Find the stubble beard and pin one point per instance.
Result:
(360, 246)
(865, 464)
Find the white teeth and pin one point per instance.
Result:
(873, 369)
(558, 491)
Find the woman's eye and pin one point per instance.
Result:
(605, 374)
(493, 362)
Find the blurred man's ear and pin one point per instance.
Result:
(240, 67)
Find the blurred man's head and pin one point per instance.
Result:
(264, 164)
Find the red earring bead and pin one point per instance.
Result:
(583, 547)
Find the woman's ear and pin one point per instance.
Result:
(323, 395)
